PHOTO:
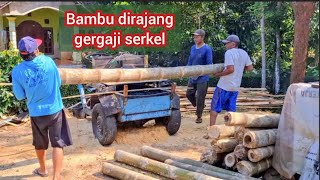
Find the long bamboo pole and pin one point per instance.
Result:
(85, 76)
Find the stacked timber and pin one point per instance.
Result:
(253, 98)
(244, 143)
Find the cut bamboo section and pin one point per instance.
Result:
(202, 170)
(123, 173)
(241, 152)
(250, 168)
(224, 145)
(85, 76)
(157, 167)
(252, 120)
(161, 156)
(256, 155)
(221, 131)
(255, 139)
(241, 131)
(211, 157)
(230, 160)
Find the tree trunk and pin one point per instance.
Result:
(85, 76)
(277, 61)
(211, 157)
(263, 52)
(303, 12)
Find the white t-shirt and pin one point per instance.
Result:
(239, 58)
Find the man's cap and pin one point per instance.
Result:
(28, 45)
(199, 32)
(231, 38)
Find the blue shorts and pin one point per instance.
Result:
(224, 100)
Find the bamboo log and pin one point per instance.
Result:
(252, 120)
(255, 139)
(201, 170)
(258, 154)
(250, 168)
(241, 152)
(85, 76)
(211, 157)
(221, 131)
(224, 145)
(241, 131)
(123, 173)
(161, 156)
(157, 167)
(230, 160)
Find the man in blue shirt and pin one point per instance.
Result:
(37, 80)
(200, 54)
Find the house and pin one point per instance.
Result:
(35, 19)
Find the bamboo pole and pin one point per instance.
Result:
(241, 152)
(241, 131)
(157, 167)
(211, 157)
(255, 139)
(201, 170)
(258, 154)
(161, 156)
(221, 131)
(224, 145)
(230, 160)
(252, 120)
(123, 173)
(250, 168)
(85, 76)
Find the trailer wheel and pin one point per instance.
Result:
(173, 122)
(104, 127)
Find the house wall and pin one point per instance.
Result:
(39, 16)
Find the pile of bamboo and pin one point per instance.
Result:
(244, 143)
(253, 98)
(158, 164)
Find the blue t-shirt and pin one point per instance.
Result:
(200, 56)
(39, 82)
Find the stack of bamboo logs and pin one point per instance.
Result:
(244, 143)
(164, 164)
(253, 98)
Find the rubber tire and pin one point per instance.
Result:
(108, 131)
(174, 122)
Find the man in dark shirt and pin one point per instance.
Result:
(200, 54)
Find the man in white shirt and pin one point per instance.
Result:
(235, 62)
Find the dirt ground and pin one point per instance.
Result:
(84, 159)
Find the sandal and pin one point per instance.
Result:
(199, 120)
(37, 172)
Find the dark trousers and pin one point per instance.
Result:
(196, 94)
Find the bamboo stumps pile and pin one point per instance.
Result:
(245, 143)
